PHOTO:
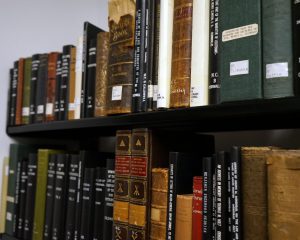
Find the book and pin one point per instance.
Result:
(33, 86)
(58, 86)
(101, 74)
(26, 91)
(13, 101)
(72, 85)
(159, 203)
(197, 208)
(78, 76)
(184, 218)
(165, 53)
(121, 56)
(277, 49)
(199, 93)
(240, 55)
(19, 98)
(30, 196)
(5, 173)
(181, 54)
(296, 49)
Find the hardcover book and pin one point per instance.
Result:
(20, 87)
(296, 49)
(13, 100)
(57, 87)
(33, 86)
(197, 208)
(78, 76)
(184, 218)
(5, 173)
(72, 85)
(26, 91)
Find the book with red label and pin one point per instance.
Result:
(197, 208)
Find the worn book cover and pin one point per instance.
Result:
(184, 218)
(26, 91)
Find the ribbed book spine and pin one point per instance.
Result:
(78, 76)
(57, 86)
(20, 91)
(33, 86)
(72, 85)
(26, 91)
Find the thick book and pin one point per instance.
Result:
(184, 217)
(33, 86)
(20, 91)
(181, 54)
(57, 86)
(121, 51)
(240, 55)
(72, 85)
(101, 74)
(5, 173)
(26, 91)
(78, 77)
(296, 48)
(13, 99)
(51, 176)
(122, 176)
(197, 208)
(72, 193)
(277, 49)
(30, 196)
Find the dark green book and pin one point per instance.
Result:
(26, 91)
(240, 55)
(277, 48)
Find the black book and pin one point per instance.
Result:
(214, 196)
(229, 200)
(90, 31)
(11, 99)
(9, 96)
(296, 47)
(87, 211)
(41, 87)
(100, 181)
(207, 228)
(214, 80)
(109, 199)
(72, 193)
(22, 194)
(33, 86)
(57, 87)
(50, 197)
(182, 167)
(30, 196)
(91, 78)
(60, 196)
(64, 84)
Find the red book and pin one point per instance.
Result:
(197, 208)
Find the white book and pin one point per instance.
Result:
(200, 53)
(78, 76)
(165, 53)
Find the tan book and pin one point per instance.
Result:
(5, 172)
(101, 73)
(184, 217)
(283, 194)
(72, 83)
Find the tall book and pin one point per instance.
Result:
(40, 194)
(26, 91)
(184, 217)
(165, 53)
(159, 203)
(181, 54)
(296, 49)
(197, 208)
(277, 49)
(200, 54)
(72, 85)
(120, 66)
(78, 77)
(30, 196)
(13, 100)
(240, 56)
(5, 173)
(101, 74)
(122, 176)
(33, 86)
(20, 91)
(57, 86)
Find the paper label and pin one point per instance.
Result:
(155, 91)
(239, 68)
(8, 216)
(240, 32)
(10, 199)
(49, 108)
(40, 109)
(78, 101)
(195, 93)
(6, 170)
(116, 93)
(277, 70)
(72, 106)
(150, 91)
(25, 111)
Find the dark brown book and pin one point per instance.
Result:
(181, 54)
(20, 91)
(120, 68)
(101, 73)
(71, 90)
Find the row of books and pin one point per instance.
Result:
(163, 54)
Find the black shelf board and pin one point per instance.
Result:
(265, 114)
(7, 237)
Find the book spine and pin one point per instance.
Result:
(57, 86)
(197, 208)
(20, 91)
(296, 48)
(71, 87)
(184, 217)
(5, 173)
(78, 77)
(181, 54)
(26, 91)
(122, 174)
(165, 53)
(84, 71)
(33, 86)
(13, 94)
(229, 200)
(214, 197)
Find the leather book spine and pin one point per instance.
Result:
(71, 87)
(101, 74)
(184, 217)
(197, 208)
(78, 76)
(13, 94)
(26, 91)
(57, 86)
(296, 48)
(5, 173)
(121, 56)
(51, 86)
(20, 91)
(122, 176)
(30, 196)
(181, 54)
(33, 86)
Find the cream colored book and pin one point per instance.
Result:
(78, 77)
(5, 172)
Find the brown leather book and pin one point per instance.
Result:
(51, 86)
(71, 90)
(159, 203)
(20, 91)
(101, 73)
(181, 54)
(120, 68)
(184, 218)
(283, 194)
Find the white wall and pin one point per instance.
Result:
(35, 26)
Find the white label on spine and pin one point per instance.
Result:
(49, 108)
(8, 216)
(6, 170)
(25, 111)
(155, 90)
(40, 109)
(240, 32)
(239, 68)
(195, 93)
(72, 106)
(150, 91)
(116, 93)
(277, 70)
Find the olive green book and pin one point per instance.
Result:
(26, 91)
(5, 171)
